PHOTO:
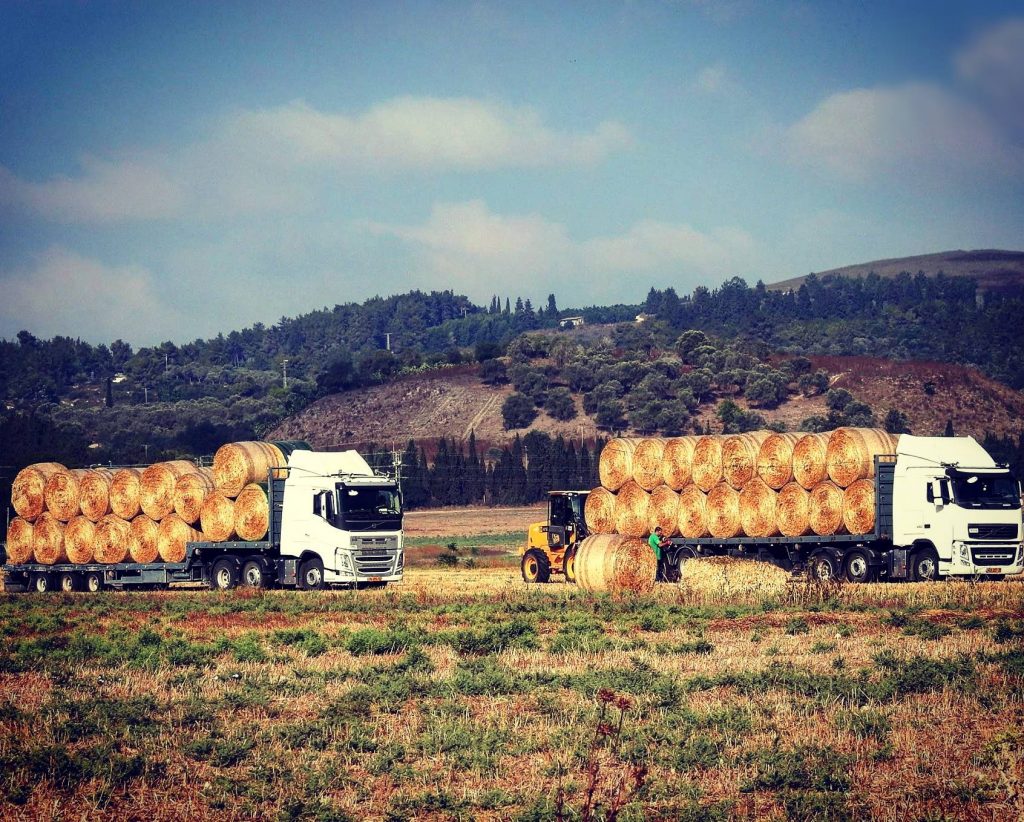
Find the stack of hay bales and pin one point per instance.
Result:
(85, 516)
(757, 485)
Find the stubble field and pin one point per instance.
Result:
(465, 694)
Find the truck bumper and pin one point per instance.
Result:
(361, 566)
(979, 559)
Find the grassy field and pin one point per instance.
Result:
(465, 694)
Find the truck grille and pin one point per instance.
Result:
(994, 555)
(994, 531)
(375, 556)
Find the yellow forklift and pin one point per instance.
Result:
(551, 546)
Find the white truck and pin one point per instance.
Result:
(333, 521)
(943, 508)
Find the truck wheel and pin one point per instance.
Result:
(823, 568)
(535, 566)
(69, 582)
(311, 575)
(675, 570)
(924, 565)
(224, 576)
(253, 574)
(93, 582)
(858, 568)
(569, 565)
(41, 583)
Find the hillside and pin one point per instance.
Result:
(993, 269)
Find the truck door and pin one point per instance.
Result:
(921, 510)
(320, 533)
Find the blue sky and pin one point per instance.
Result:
(171, 170)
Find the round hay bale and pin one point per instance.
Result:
(252, 513)
(19, 541)
(775, 459)
(632, 510)
(288, 447)
(48, 540)
(664, 511)
(143, 539)
(859, 507)
(724, 511)
(616, 463)
(851, 452)
(792, 510)
(217, 518)
(173, 536)
(809, 459)
(707, 462)
(236, 464)
(693, 512)
(190, 491)
(80, 540)
(94, 491)
(63, 493)
(599, 511)
(718, 578)
(157, 486)
(739, 457)
(126, 493)
(113, 536)
(647, 462)
(677, 462)
(28, 492)
(825, 509)
(613, 563)
(757, 510)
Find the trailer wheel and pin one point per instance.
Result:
(924, 565)
(224, 576)
(41, 583)
(535, 566)
(69, 582)
(569, 565)
(676, 569)
(858, 568)
(823, 568)
(311, 574)
(93, 582)
(254, 574)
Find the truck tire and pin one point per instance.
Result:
(821, 567)
(924, 565)
(70, 582)
(858, 567)
(41, 583)
(224, 575)
(535, 566)
(93, 582)
(311, 575)
(254, 573)
(675, 567)
(569, 564)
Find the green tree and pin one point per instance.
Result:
(560, 404)
(518, 411)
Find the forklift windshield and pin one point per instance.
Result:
(369, 508)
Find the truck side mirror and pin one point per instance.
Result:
(935, 492)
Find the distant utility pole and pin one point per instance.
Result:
(165, 362)
(145, 394)
(387, 340)
(146, 449)
(284, 363)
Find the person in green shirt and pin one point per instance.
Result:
(656, 541)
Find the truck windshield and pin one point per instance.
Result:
(985, 490)
(370, 508)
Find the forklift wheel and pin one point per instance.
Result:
(535, 566)
(569, 564)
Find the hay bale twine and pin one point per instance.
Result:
(126, 493)
(664, 511)
(724, 511)
(19, 541)
(143, 539)
(113, 536)
(173, 536)
(757, 510)
(28, 492)
(739, 457)
(613, 563)
(707, 462)
(190, 491)
(94, 492)
(615, 465)
(859, 507)
(693, 513)
(792, 510)
(632, 510)
(158, 482)
(775, 459)
(48, 540)
(851, 452)
(252, 513)
(809, 459)
(80, 540)
(217, 518)
(825, 509)
(647, 462)
(677, 462)
(599, 511)
(236, 464)
(63, 493)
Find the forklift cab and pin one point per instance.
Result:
(565, 518)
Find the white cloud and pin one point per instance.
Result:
(61, 284)
(993, 64)
(715, 79)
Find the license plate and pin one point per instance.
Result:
(375, 579)
(993, 570)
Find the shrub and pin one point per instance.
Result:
(560, 404)
(518, 411)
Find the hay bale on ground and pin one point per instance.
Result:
(859, 507)
(825, 509)
(632, 510)
(113, 536)
(775, 459)
(613, 563)
(157, 486)
(19, 541)
(126, 493)
(173, 537)
(28, 492)
(217, 518)
(809, 466)
(718, 577)
(63, 493)
(599, 511)
(252, 513)
(677, 462)
(616, 462)
(757, 510)
(664, 511)
(693, 512)
(792, 510)
(739, 457)
(80, 540)
(647, 462)
(724, 511)
(143, 539)
(707, 462)
(48, 540)
(94, 492)
(851, 452)
(190, 492)
(236, 464)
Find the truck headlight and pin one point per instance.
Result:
(1020, 554)
(344, 560)
(965, 553)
